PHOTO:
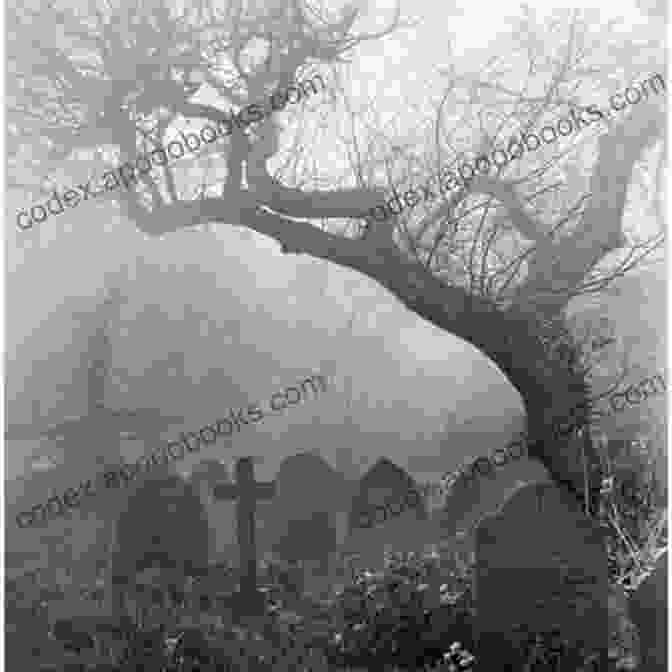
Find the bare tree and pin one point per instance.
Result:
(495, 263)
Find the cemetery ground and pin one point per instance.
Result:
(434, 609)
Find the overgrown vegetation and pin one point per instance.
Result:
(417, 612)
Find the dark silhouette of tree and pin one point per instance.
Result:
(495, 263)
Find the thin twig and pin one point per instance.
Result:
(624, 536)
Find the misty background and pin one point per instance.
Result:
(217, 317)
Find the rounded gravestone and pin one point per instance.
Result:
(302, 514)
(307, 482)
(541, 571)
(387, 513)
(163, 525)
(384, 485)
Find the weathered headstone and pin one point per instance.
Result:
(308, 484)
(163, 525)
(385, 515)
(541, 571)
(648, 610)
(304, 519)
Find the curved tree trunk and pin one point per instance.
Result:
(556, 268)
(553, 395)
(509, 337)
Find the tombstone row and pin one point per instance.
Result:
(541, 569)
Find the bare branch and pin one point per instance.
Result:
(560, 269)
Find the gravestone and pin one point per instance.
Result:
(162, 526)
(648, 610)
(541, 570)
(246, 492)
(303, 524)
(384, 516)
(308, 484)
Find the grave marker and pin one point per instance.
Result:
(303, 523)
(163, 527)
(541, 570)
(384, 515)
(246, 492)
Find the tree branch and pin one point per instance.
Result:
(557, 270)
(504, 191)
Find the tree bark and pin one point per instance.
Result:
(511, 338)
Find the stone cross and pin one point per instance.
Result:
(246, 492)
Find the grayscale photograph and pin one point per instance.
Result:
(372, 375)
